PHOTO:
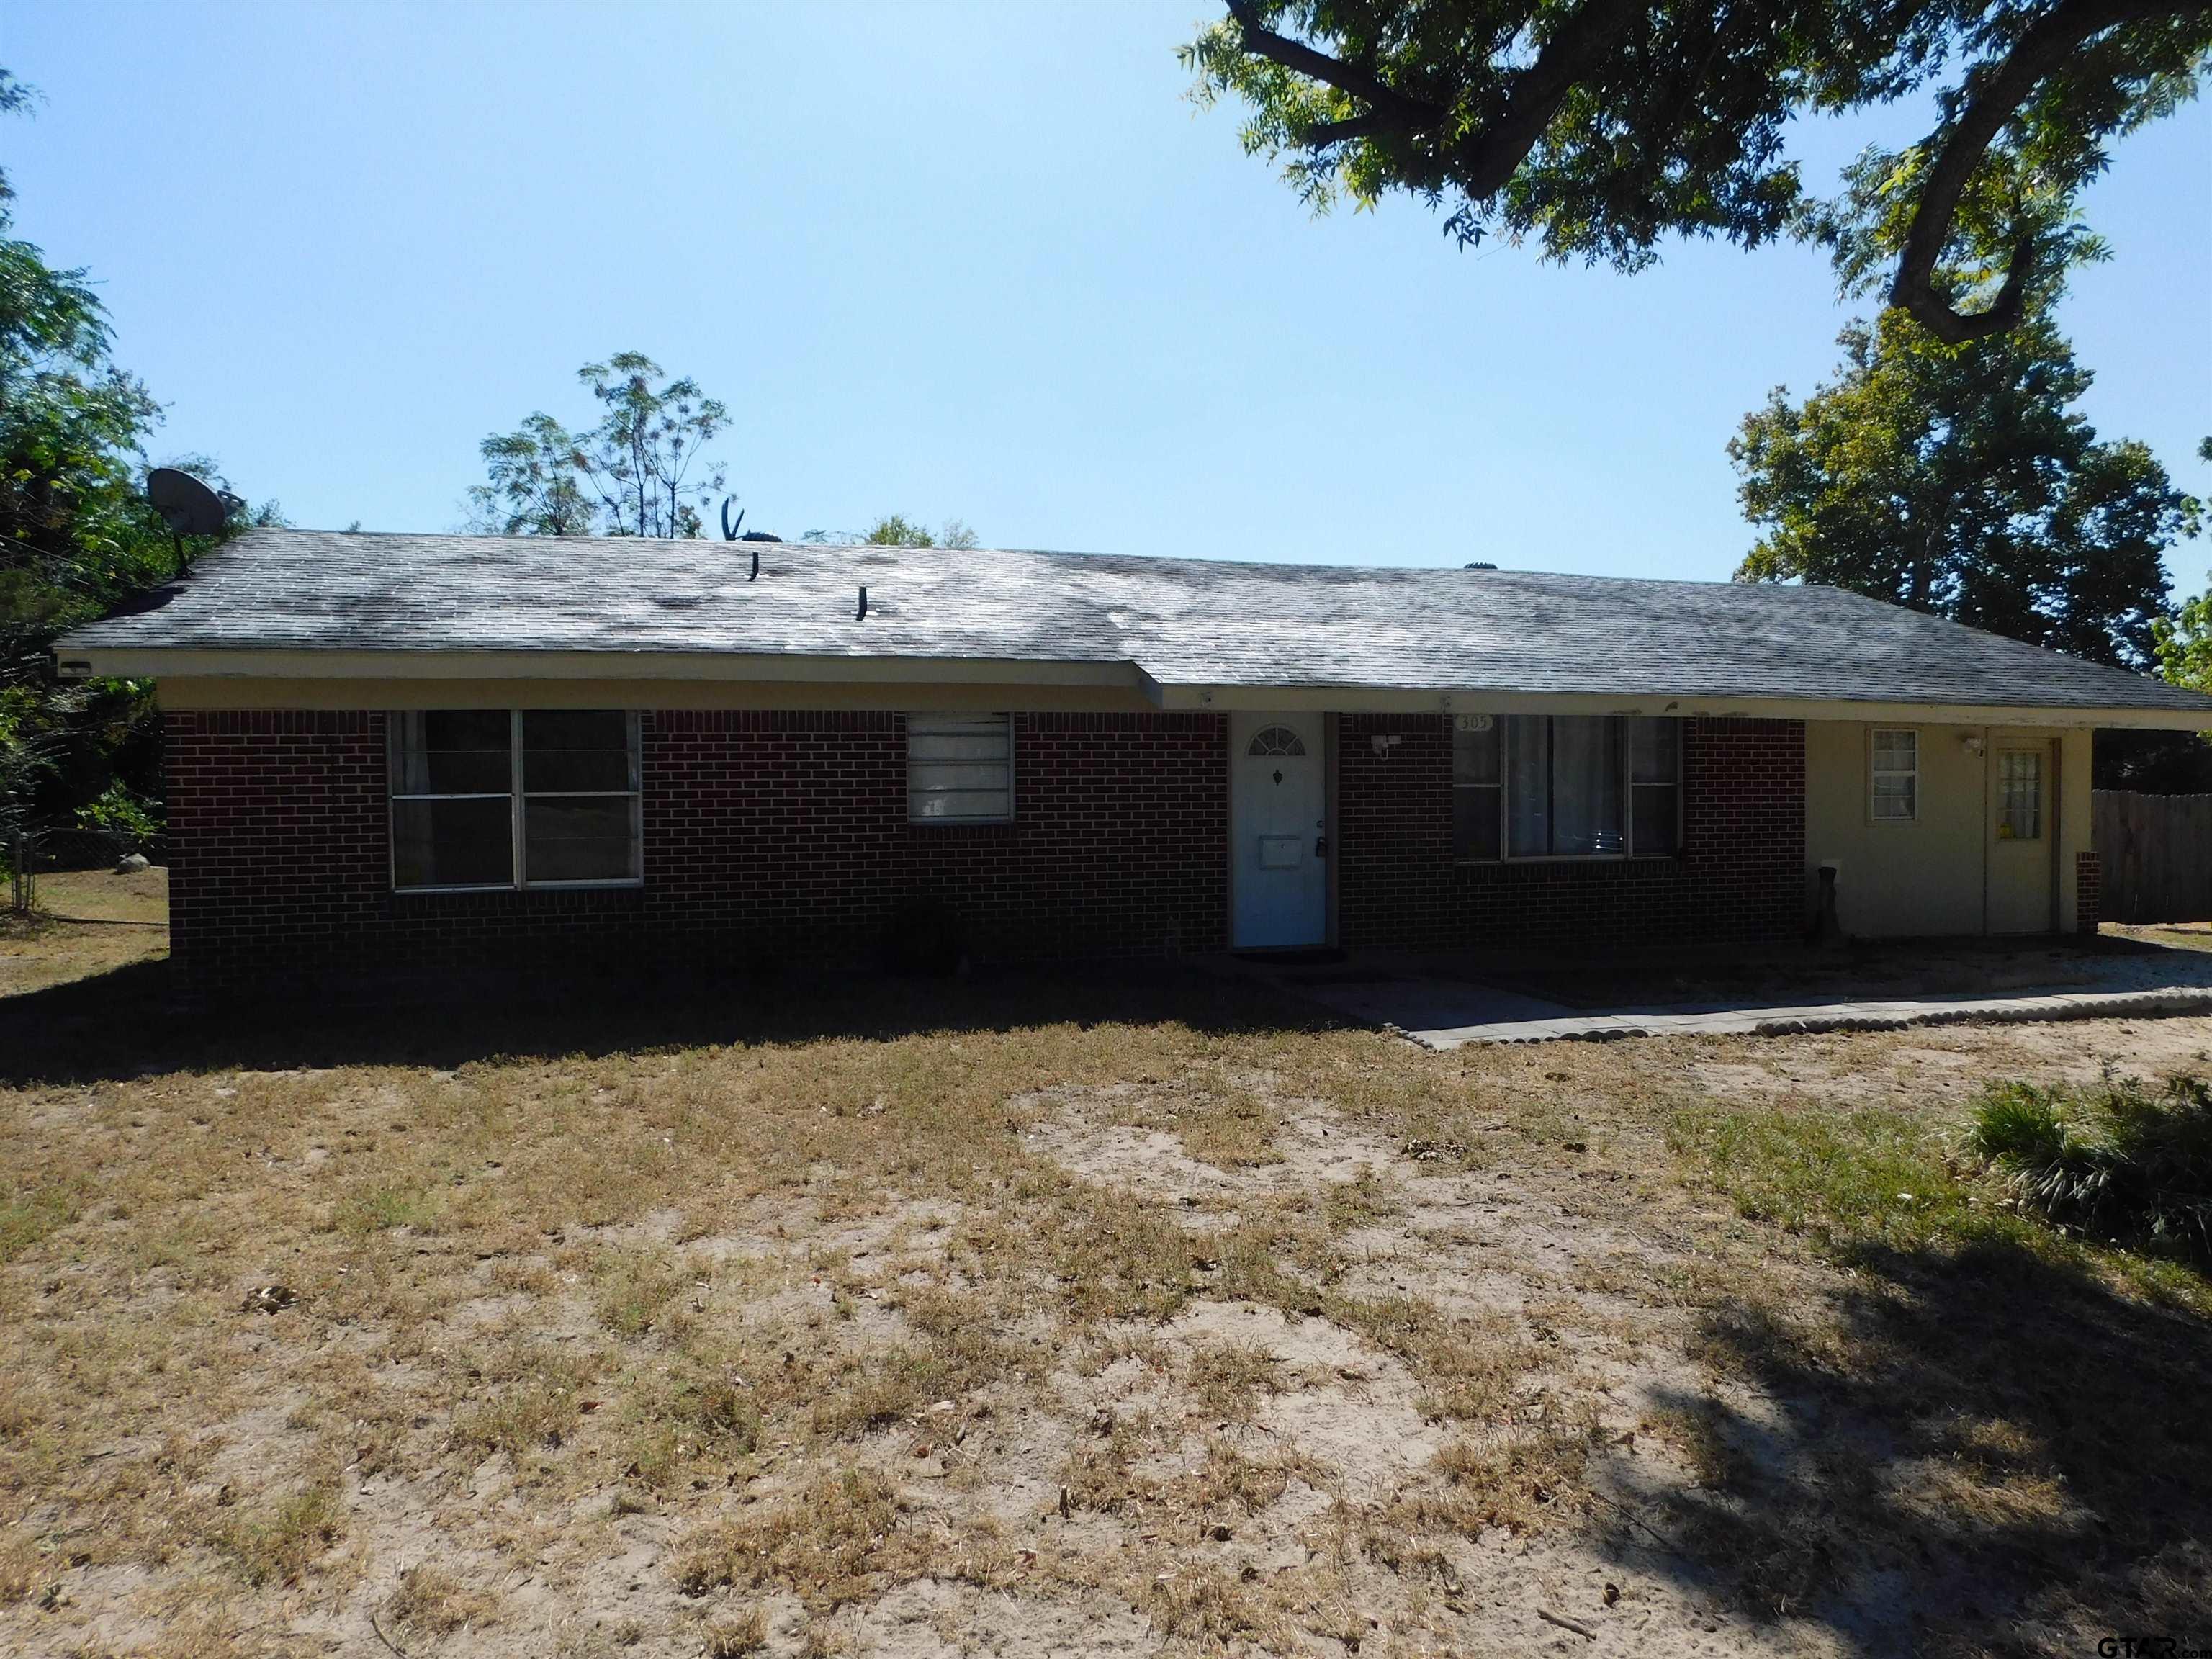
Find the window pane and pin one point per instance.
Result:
(1896, 751)
(1658, 819)
(961, 803)
(935, 779)
(584, 839)
(1655, 752)
(576, 749)
(2020, 777)
(1586, 783)
(464, 751)
(1527, 786)
(1895, 798)
(1475, 821)
(451, 843)
(1474, 755)
(956, 745)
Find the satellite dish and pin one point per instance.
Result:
(188, 507)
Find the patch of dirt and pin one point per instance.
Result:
(1944, 1067)
(1184, 1333)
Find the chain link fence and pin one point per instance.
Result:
(29, 853)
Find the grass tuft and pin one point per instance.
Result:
(285, 1543)
(433, 1603)
(2114, 1162)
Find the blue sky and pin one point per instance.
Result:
(976, 262)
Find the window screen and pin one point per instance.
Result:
(506, 798)
(1477, 787)
(453, 803)
(959, 768)
(580, 802)
(1655, 786)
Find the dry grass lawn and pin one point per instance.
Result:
(1095, 1315)
(87, 922)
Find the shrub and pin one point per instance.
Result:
(131, 821)
(2116, 1163)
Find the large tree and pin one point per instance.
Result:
(77, 537)
(638, 470)
(1598, 127)
(1962, 480)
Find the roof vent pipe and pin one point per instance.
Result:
(863, 611)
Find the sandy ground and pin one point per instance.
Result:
(1129, 1339)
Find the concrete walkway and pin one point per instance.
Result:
(1443, 1013)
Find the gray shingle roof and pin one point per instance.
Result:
(1184, 622)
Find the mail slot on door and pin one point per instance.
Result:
(1281, 851)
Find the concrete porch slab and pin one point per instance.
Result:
(1445, 1010)
(1815, 1017)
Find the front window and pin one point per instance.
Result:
(1566, 787)
(537, 797)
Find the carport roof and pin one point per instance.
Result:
(549, 603)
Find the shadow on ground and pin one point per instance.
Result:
(137, 1021)
(1980, 1452)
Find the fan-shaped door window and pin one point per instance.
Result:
(1276, 740)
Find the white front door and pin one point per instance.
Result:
(1277, 818)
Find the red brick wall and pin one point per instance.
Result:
(1740, 875)
(785, 826)
(763, 832)
(2088, 891)
(767, 833)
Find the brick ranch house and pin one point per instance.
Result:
(397, 751)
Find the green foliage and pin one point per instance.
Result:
(1962, 480)
(897, 529)
(2183, 641)
(533, 488)
(2116, 1163)
(130, 820)
(77, 537)
(1843, 1179)
(1595, 128)
(636, 472)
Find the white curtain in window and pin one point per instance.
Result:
(1586, 783)
(1528, 788)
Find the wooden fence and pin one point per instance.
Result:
(2156, 854)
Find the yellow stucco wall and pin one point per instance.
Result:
(1933, 875)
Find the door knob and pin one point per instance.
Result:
(1320, 847)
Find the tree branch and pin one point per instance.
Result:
(1533, 95)
(1392, 109)
(2043, 48)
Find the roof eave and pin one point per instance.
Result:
(81, 659)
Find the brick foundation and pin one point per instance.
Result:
(2088, 891)
(1740, 874)
(769, 834)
